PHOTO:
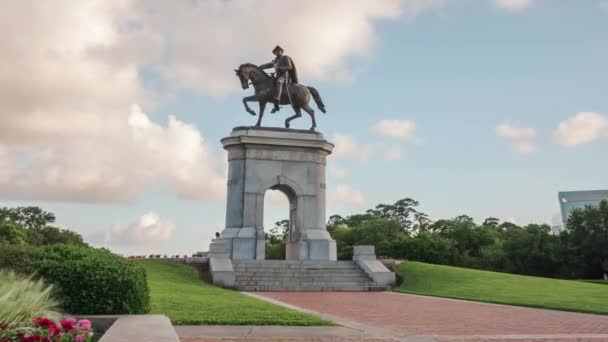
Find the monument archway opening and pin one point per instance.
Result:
(277, 224)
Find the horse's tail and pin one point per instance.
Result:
(317, 97)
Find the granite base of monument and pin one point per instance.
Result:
(287, 160)
(293, 162)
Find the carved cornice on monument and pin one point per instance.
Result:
(277, 144)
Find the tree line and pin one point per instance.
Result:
(34, 227)
(402, 231)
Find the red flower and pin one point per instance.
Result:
(42, 322)
(53, 329)
(67, 325)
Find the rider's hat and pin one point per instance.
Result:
(277, 48)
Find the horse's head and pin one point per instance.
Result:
(243, 74)
(250, 72)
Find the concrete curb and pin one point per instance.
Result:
(127, 328)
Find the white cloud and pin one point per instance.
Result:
(514, 5)
(276, 198)
(67, 128)
(604, 5)
(114, 166)
(582, 128)
(348, 148)
(395, 128)
(150, 228)
(346, 195)
(523, 140)
(393, 153)
(209, 38)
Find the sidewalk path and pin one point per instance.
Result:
(391, 317)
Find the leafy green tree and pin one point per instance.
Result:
(33, 226)
(27, 217)
(11, 233)
(404, 213)
(586, 238)
(532, 250)
(491, 222)
(276, 240)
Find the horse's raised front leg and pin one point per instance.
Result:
(311, 112)
(262, 107)
(249, 99)
(297, 115)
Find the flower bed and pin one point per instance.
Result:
(43, 329)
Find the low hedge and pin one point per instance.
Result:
(89, 281)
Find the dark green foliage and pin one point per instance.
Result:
(89, 281)
(32, 226)
(13, 234)
(586, 239)
(95, 281)
(401, 231)
(21, 259)
(53, 235)
(27, 217)
(276, 239)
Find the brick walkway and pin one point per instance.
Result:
(449, 320)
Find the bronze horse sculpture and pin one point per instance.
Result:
(297, 95)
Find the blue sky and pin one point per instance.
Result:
(489, 109)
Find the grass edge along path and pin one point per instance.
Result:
(177, 292)
(502, 288)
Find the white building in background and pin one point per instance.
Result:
(570, 200)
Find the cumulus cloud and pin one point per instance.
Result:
(582, 128)
(276, 198)
(344, 194)
(348, 148)
(68, 127)
(209, 38)
(115, 166)
(523, 140)
(150, 228)
(514, 5)
(395, 128)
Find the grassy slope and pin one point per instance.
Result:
(493, 287)
(176, 291)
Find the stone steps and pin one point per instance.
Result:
(361, 288)
(264, 277)
(277, 275)
(296, 267)
(295, 271)
(303, 283)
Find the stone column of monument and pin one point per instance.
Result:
(291, 161)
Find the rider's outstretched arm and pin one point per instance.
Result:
(266, 66)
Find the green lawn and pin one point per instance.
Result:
(178, 293)
(503, 288)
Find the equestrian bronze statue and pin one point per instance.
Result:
(281, 89)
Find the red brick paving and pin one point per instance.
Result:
(296, 340)
(419, 315)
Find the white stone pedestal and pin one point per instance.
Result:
(291, 161)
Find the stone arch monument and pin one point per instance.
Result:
(291, 161)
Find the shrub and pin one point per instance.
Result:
(20, 259)
(24, 299)
(87, 280)
(95, 281)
